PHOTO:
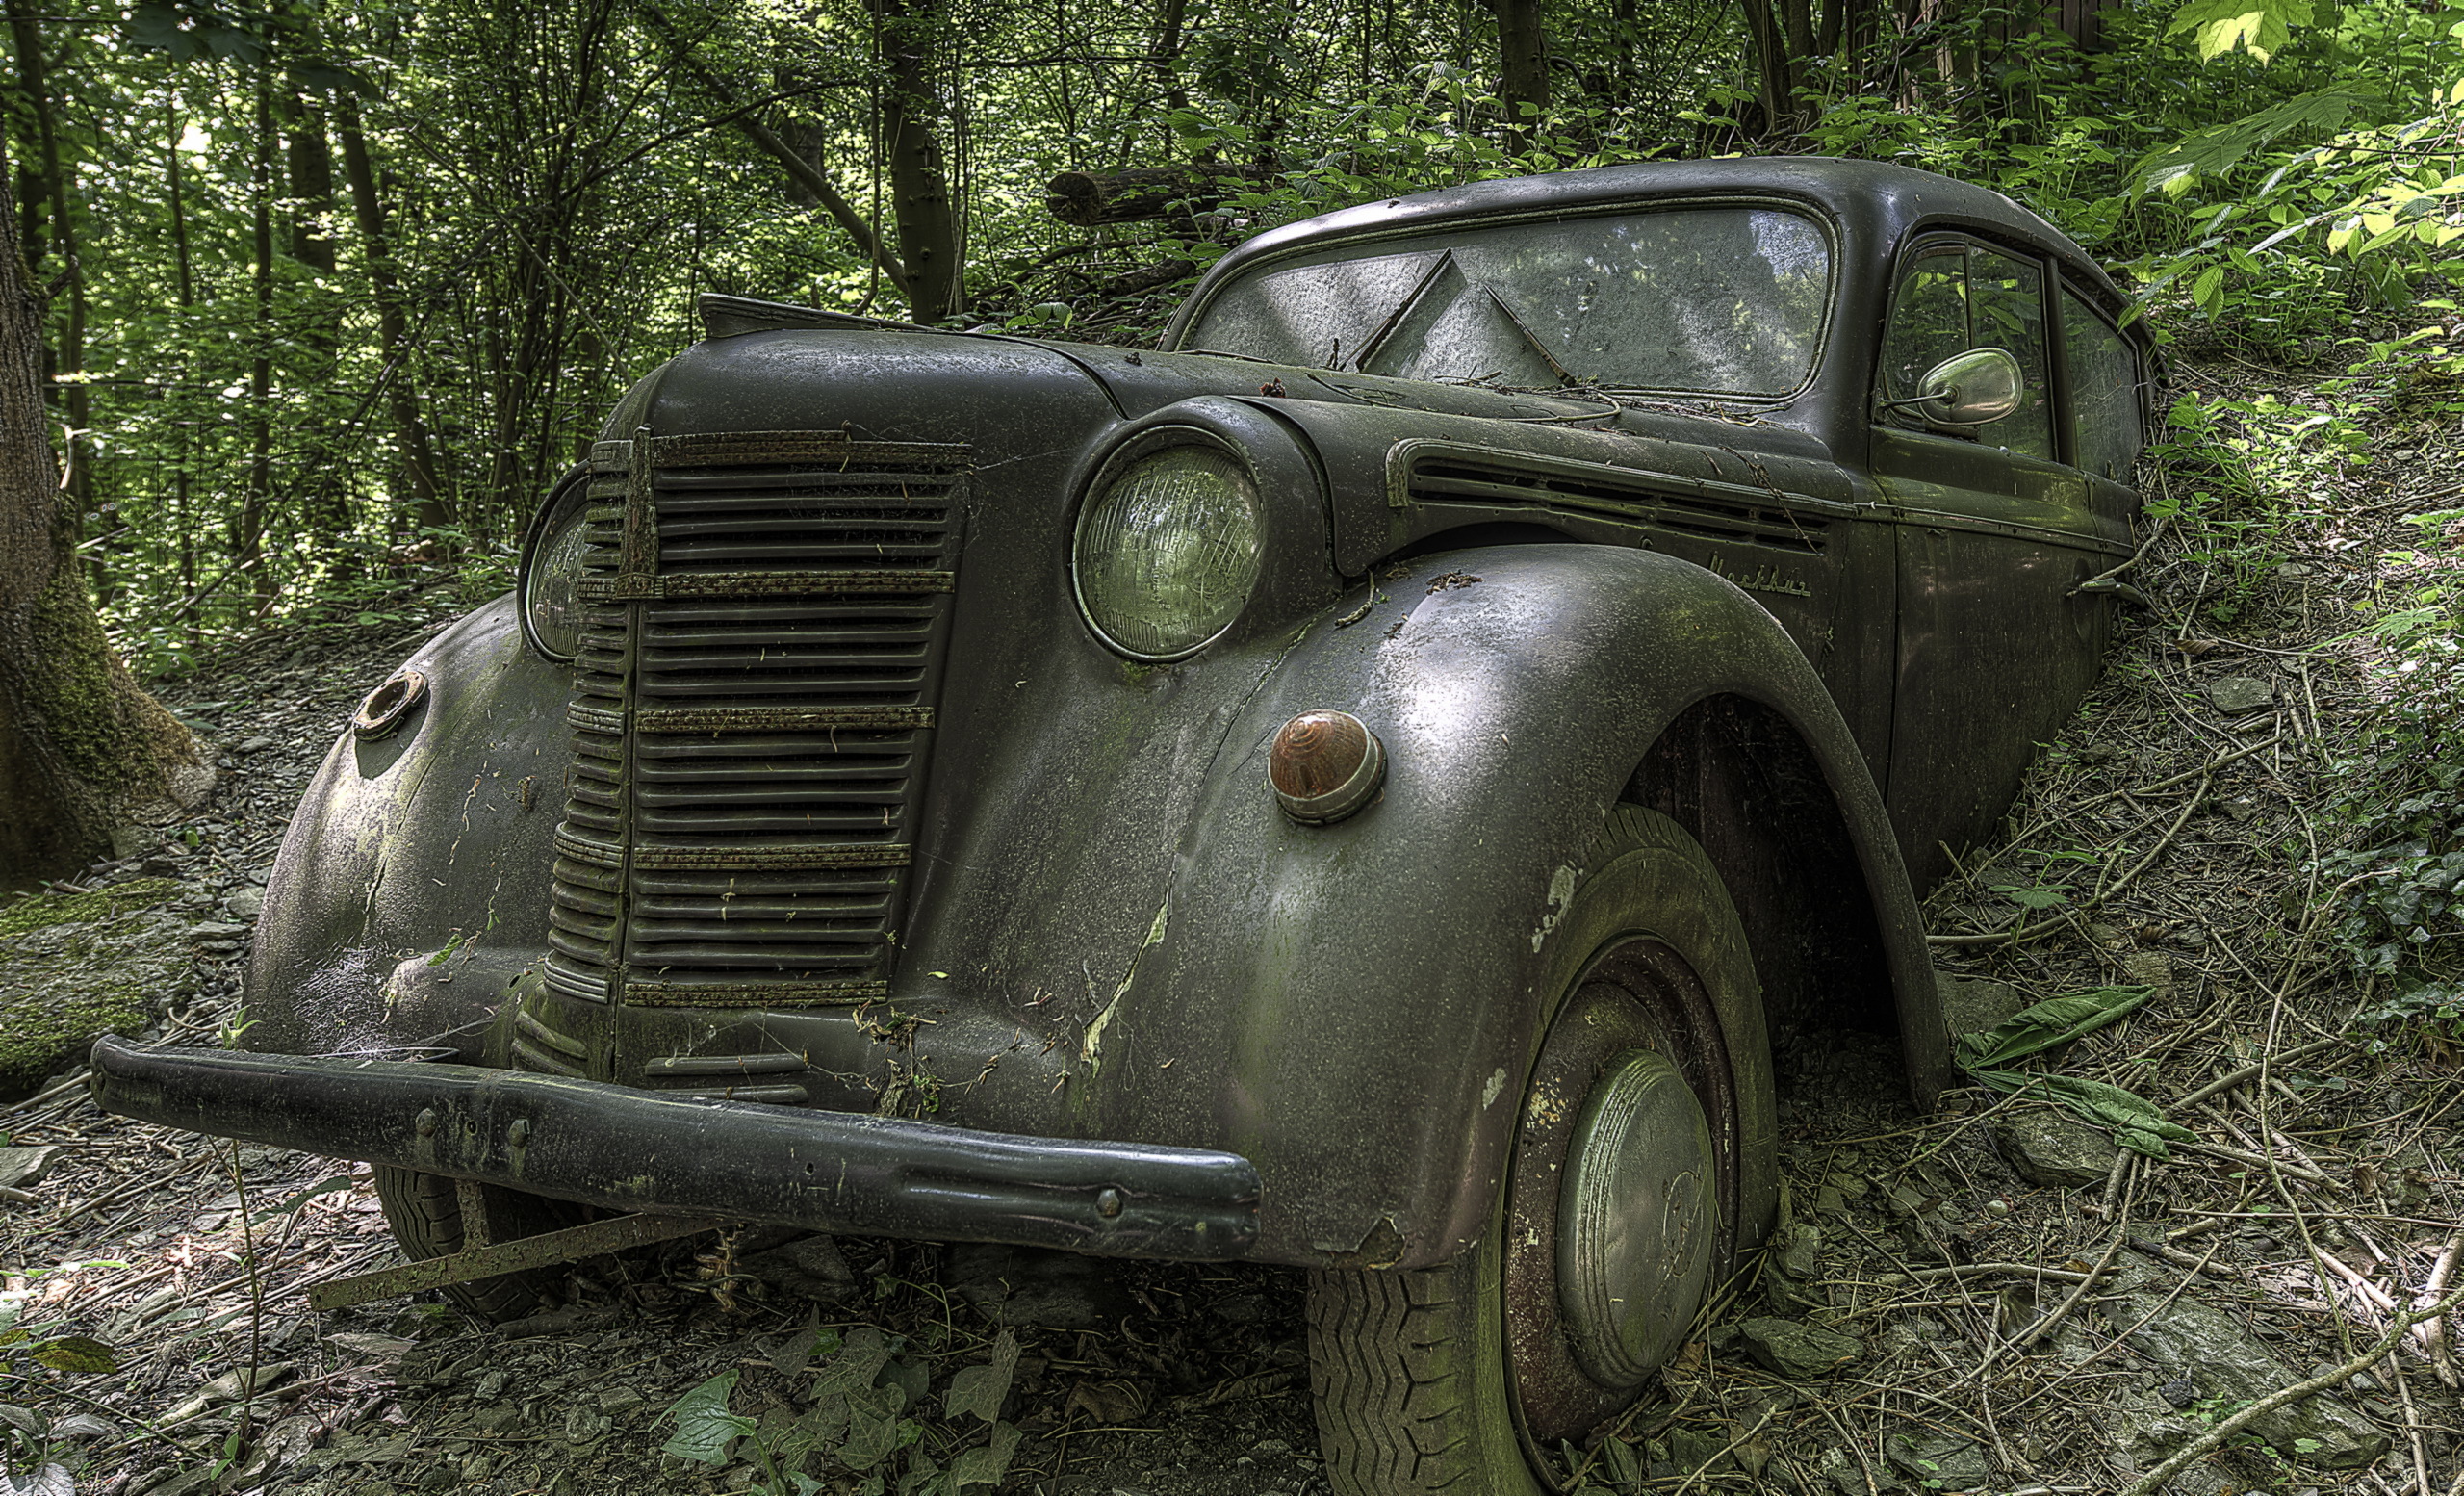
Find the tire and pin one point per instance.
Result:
(425, 1212)
(1456, 1377)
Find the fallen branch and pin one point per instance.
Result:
(2214, 1438)
(2029, 932)
(2433, 1336)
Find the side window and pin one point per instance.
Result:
(1953, 300)
(2104, 390)
(1928, 319)
(2006, 301)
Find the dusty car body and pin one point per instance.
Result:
(856, 873)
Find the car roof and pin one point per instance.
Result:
(1879, 201)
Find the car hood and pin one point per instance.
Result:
(1046, 408)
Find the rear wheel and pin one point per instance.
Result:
(425, 1211)
(1643, 1169)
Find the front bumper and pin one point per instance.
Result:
(638, 1150)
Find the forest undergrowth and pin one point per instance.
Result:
(2232, 852)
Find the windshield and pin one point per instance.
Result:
(1722, 300)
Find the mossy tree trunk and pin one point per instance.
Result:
(82, 746)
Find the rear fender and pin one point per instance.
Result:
(411, 887)
(1353, 1007)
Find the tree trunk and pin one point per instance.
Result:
(257, 492)
(393, 324)
(927, 226)
(82, 747)
(311, 160)
(74, 400)
(1522, 46)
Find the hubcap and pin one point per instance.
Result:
(1623, 1197)
(1635, 1220)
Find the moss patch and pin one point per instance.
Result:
(74, 967)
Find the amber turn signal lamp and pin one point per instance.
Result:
(1324, 765)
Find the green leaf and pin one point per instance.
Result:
(25, 1420)
(2261, 27)
(858, 1362)
(704, 1426)
(2221, 147)
(979, 1389)
(874, 1429)
(2056, 1021)
(2134, 1121)
(77, 1353)
(2208, 290)
(986, 1467)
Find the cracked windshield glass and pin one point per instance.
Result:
(1705, 300)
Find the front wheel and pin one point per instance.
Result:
(425, 1211)
(1643, 1170)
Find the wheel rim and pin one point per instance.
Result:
(1623, 1198)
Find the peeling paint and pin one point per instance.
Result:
(1496, 1088)
(1091, 1049)
(1561, 895)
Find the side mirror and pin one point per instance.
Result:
(1967, 389)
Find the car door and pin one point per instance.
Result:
(1996, 528)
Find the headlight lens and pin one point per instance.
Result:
(1167, 552)
(551, 570)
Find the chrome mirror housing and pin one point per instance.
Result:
(1969, 389)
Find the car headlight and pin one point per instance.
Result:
(1167, 552)
(551, 570)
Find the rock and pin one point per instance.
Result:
(245, 903)
(1795, 1249)
(1940, 1461)
(2053, 1151)
(74, 967)
(1690, 1451)
(129, 841)
(2240, 693)
(2149, 969)
(23, 1167)
(2193, 1342)
(1798, 1350)
(1971, 1005)
(1025, 1285)
(256, 745)
(809, 1267)
(2240, 808)
(425, 1321)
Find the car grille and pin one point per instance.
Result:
(764, 618)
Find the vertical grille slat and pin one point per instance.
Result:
(753, 703)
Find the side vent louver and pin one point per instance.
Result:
(1723, 512)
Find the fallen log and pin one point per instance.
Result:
(1088, 198)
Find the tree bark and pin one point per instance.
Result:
(311, 160)
(928, 225)
(1089, 199)
(248, 538)
(1522, 46)
(67, 392)
(82, 747)
(429, 510)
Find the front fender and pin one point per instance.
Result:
(1353, 1007)
(436, 839)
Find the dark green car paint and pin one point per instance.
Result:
(1821, 645)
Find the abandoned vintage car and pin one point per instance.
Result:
(1358, 789)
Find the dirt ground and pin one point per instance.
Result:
(1986, 1297)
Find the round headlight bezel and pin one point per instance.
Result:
(567, 504)
(1117, 465)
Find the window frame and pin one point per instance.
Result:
(1835, 240)
(2084, 293)
(2057, 377)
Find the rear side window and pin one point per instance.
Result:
(1955, 298)
(2104, 390)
